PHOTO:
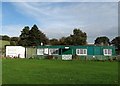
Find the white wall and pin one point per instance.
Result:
(12, 51)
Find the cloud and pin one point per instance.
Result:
(12, 30)
(58, 19)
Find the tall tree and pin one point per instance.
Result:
(24, 37)
(37, 37)
(102, 41)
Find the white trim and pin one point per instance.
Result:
(66, 47)
(78, 52)
(107, 52)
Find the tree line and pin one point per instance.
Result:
(34, 37)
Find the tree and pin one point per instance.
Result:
(102, 41)
(14, 40)
(24, 37)
(54, 41)
(79, 37)
(37, 37)
(116, 42)
(62, 41)
(69, 40)
(32, 37)
(6, 38)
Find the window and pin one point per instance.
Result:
(54, 51)
(81, 51)
(107, 52)
(40, 51)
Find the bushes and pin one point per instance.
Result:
(44, 57)
(51, 57)
(76, 57)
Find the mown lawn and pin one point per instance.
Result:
(33, 71)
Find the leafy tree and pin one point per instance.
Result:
(116, 42)
(62, 41)
(6, 38)
(69, 40)
(14, 40)
(79, 37)
(36, 36)
(24, 37)
(54, 42)
(102, 41)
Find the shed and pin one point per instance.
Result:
(15, 51)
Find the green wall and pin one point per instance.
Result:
(91, 50)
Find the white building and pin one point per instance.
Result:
(15, 51)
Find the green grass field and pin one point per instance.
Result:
(33, 71)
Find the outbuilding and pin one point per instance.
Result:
(15, 51)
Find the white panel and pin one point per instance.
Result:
(21, 52)
(40, 52)
(45, 50)
(66, 57)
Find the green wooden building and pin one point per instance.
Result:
(89, 51)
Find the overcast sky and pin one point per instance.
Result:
(58, 19)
